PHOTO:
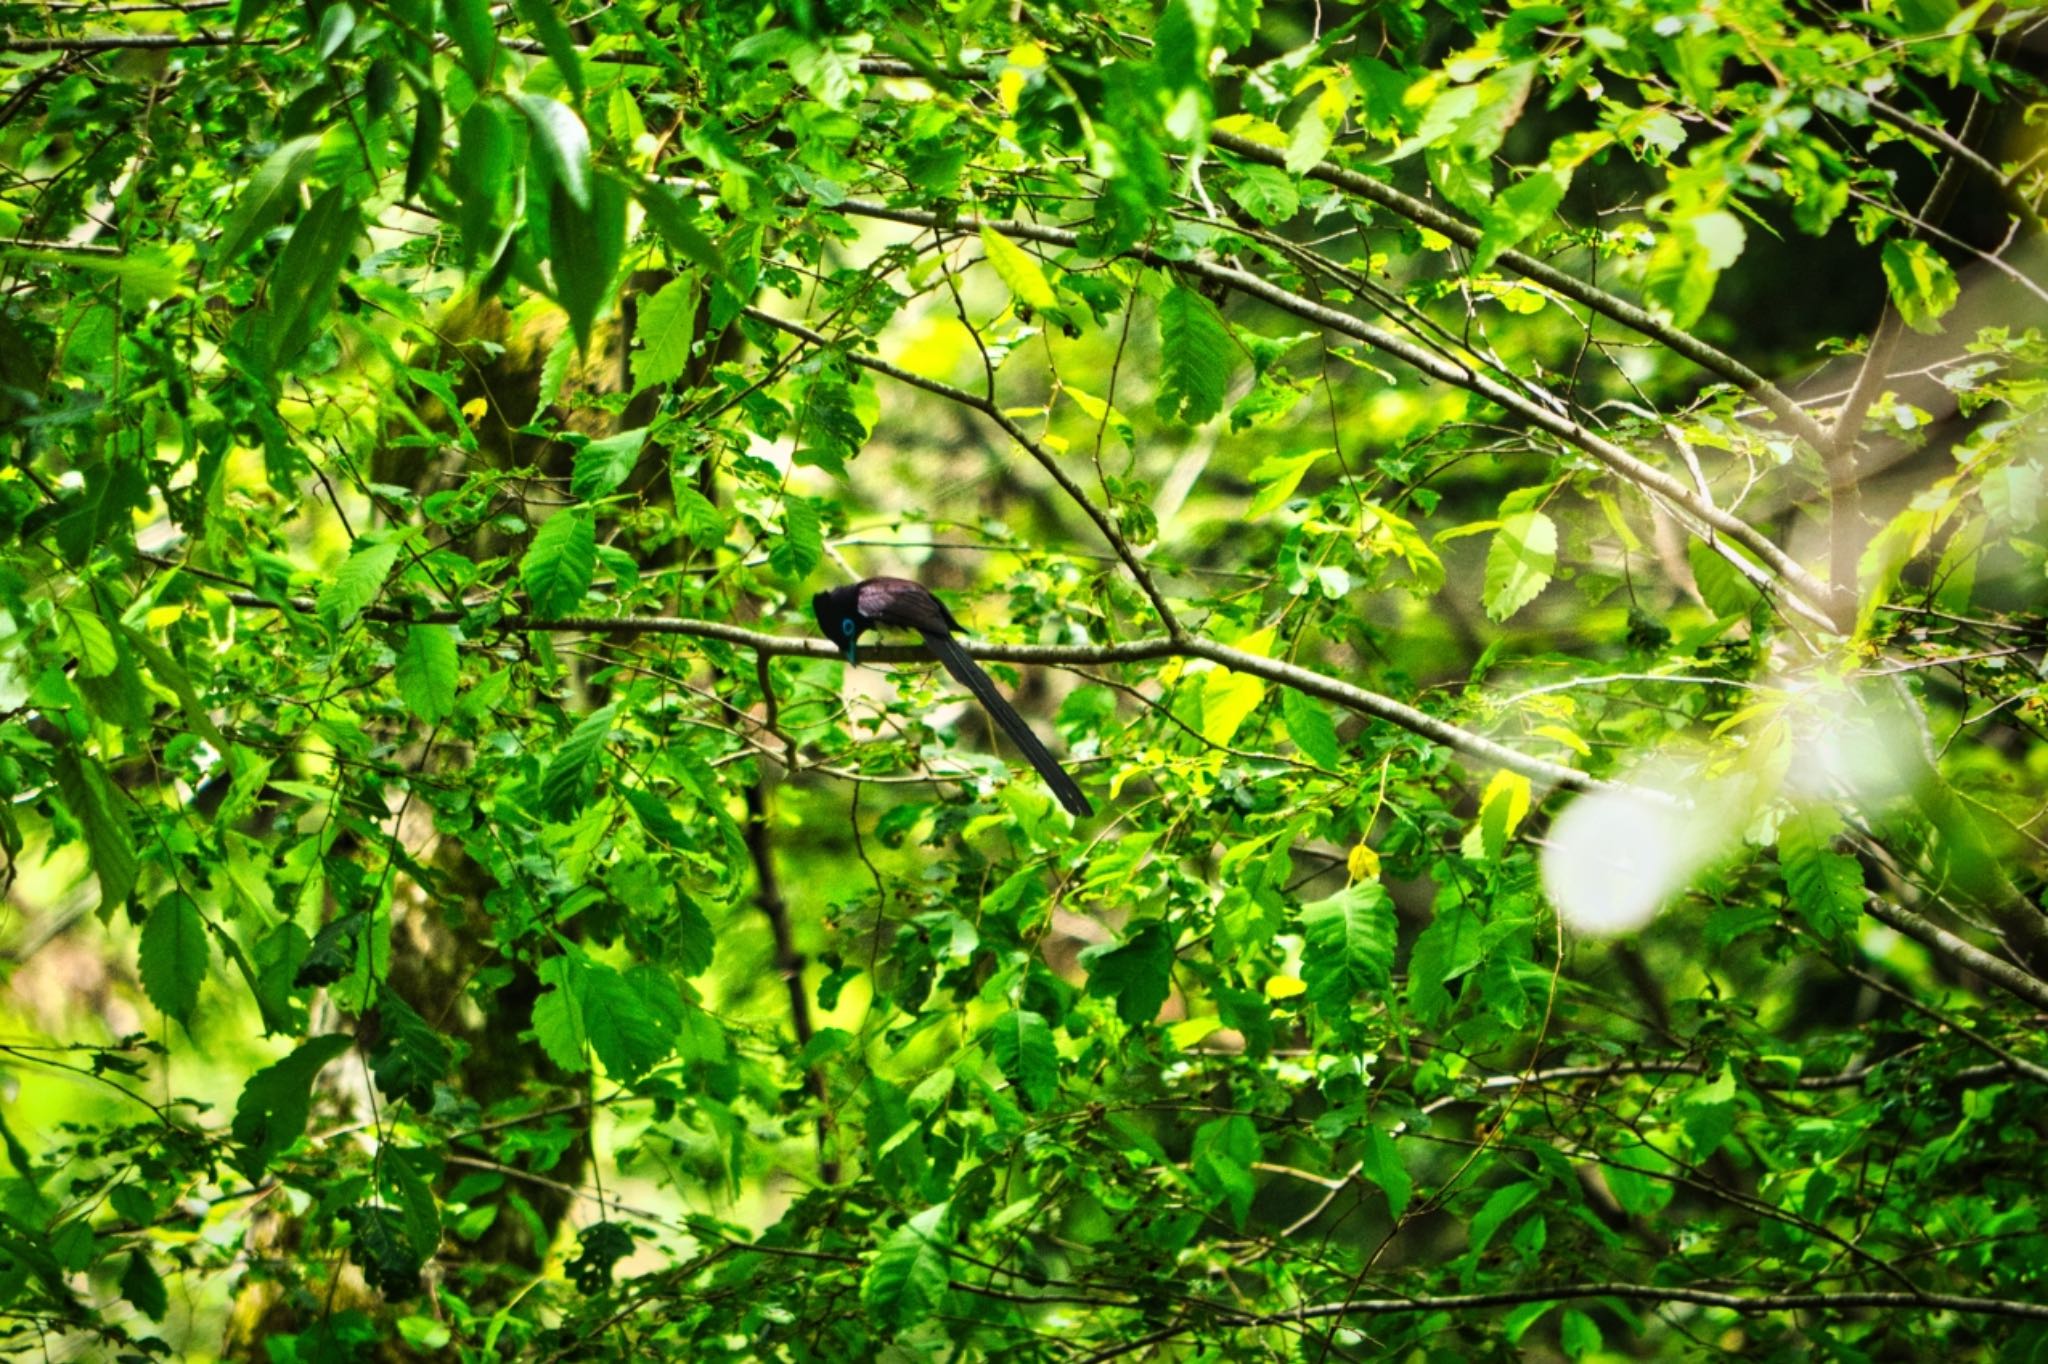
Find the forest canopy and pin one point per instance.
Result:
(1524, 522)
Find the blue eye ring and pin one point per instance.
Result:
(846, 627)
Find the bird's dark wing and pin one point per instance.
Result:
(904, 604)
(968, 674)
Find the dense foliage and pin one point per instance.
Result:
(1527, 522)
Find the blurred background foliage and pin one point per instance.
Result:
(1527, 521)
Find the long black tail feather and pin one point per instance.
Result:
(968, 674)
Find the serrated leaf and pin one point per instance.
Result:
(173, 955)
(603, 465)
(89, 640)
(1380, 1162)
(562, 144)
(1825, 887)
(427, 671)
(1350, 944)
(545, 20)
(270, 191)
(666, 327)
(1519, 210)
(1137, 973)
(1194, 357)
(567, 782)
(410, 1057)
(587, 245)
(91, 800)
(168, 672)
(1519, 562)
(301, 285)
(558, 1020)
(801, 546)
(1722, 586)
(143, 1287)
(627, 1035)
(1026, 1056)
(1018, 269)
(1310, 727)
(356, 583)
(476, 41)
(1923, 287)
(677, 226)
(558, 566)
(1266, 193)
(908, 1275)
(271, 1113)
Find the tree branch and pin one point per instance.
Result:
(986, 407)
(1748, 1303)
(1797, 581)
(1608, 305)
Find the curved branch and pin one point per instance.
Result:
(1797, 580)
(1608, 305)
(987, 408)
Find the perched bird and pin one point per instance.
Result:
(845, 612)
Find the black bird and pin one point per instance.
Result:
(844, 613)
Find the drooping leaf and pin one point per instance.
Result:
(173, 956)
(665, 329)
(302, 283)
(1137, 973)
(1310, 727)
(1519, 562)
(1025, 1054)
(1194, 357)
(427, 671)
(1350, 939)
(603, 465)
(1019, 270)
(907, 1276)
(271, 1114)
(270, 191)
(571, 774)
(92, 802)
(410, 1057)
(1923, 286)
(558, 566)
(357, 582)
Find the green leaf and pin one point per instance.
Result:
(1194, 356)
(91, 800)
(558, 1020)
(588, 246)
(908, 1275)
(603, 465)
(1519, 562)
(1519, 210)
(569, 779)
(1221, 1160)
(629, 1037)
(671, 218)
(167, 671)
(357, 582)
(1723, 587)
(1923, 287)
(1350, 944)
(272, 1112)
(427, 671)
(1707, 1113)
(1450, 947)
(89, 640)
(1027, 1058)
(665, 329)
(543, 17)
(1018, 269)
(1825, 887)
(1267, 193)
(476, 41)
(1137, 974)
(561, 144)
(558, 566)
(1277, 476)
(1310, 727)
(173, 956)
(301, 285)
(1502, 1204)
(143, 1287)
(801, 546)
(1381, 1163)
(270, 191)
(410, 1058)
